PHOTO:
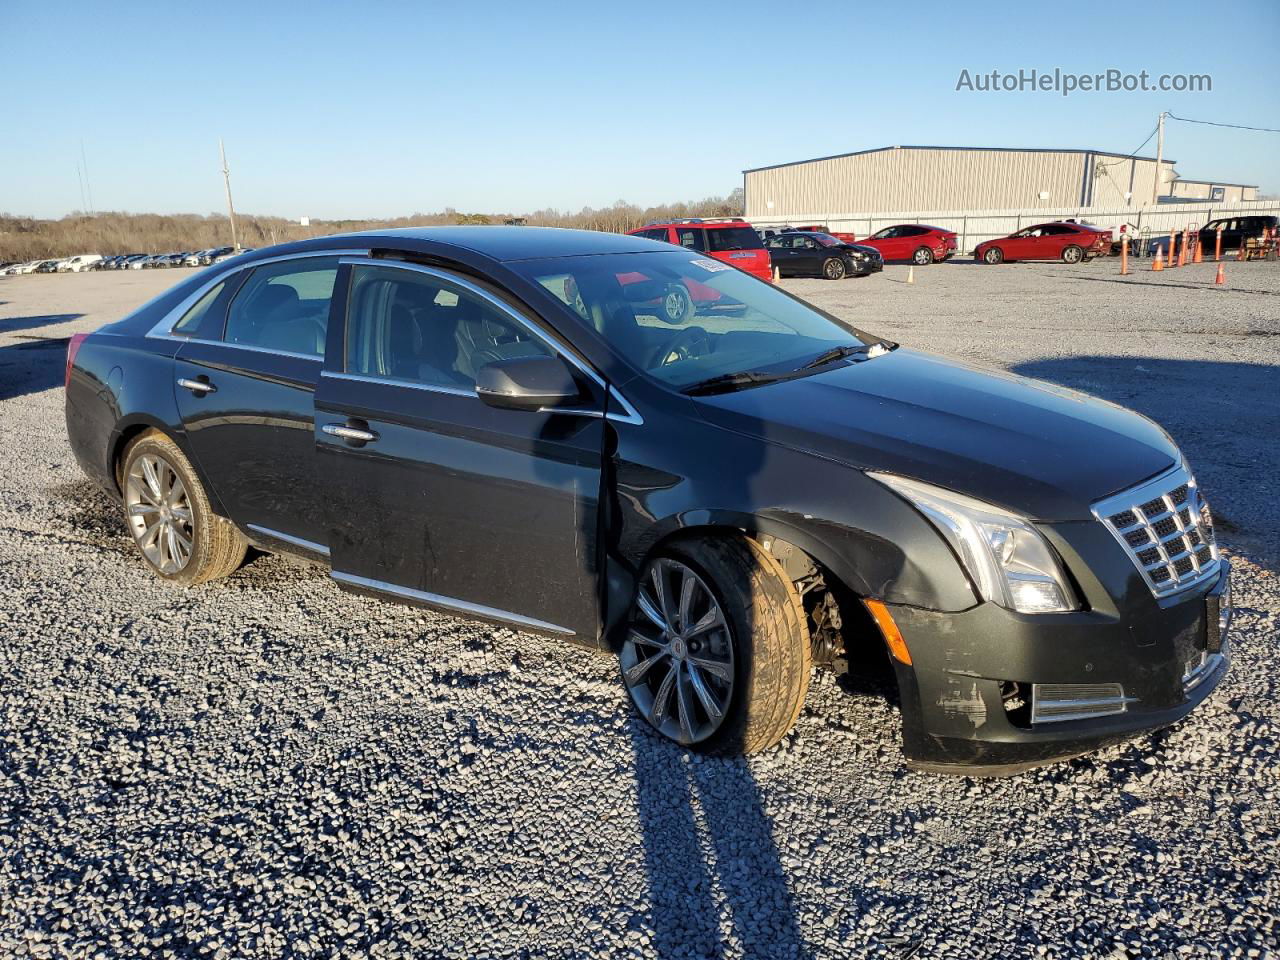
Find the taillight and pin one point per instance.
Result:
(73, 347)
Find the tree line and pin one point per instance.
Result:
(28, 238)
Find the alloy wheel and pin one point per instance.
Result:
(923, 257)
(834, 269)
(677, 661)
(159, 513)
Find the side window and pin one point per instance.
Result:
(407, 325)
(191, 320)
(284, 306)
(692, 239)
(658, 234)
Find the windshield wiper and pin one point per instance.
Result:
(727, 382)
(868, 350)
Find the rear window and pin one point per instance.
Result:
(720, 239)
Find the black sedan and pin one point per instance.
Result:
(811, 254)
(503, 422)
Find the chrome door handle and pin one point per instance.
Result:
(349, 433)
(197, 386)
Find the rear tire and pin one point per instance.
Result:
(833, 268)
(754, 664)
(1072, 254)
(993, 256)
(168, 513)
(922, 257)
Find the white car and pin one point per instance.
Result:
(79, 264)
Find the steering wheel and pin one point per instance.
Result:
(681, 346)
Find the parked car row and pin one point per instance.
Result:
(791, 252)
(124, 261)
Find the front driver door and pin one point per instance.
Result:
(436, 497)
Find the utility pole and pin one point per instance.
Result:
(231, 210)
(88, 186)
(1155, 186)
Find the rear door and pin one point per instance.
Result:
(448, 501)
(246, 381)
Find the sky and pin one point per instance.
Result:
(379, 109)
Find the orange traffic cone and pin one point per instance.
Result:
(911, 274)
(1221, 278)
(1158, 263)
(1199, 257)
(777, 274)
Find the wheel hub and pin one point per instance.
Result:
(677, 661)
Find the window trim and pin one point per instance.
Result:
(559, 349)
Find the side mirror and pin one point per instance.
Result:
(527, 383)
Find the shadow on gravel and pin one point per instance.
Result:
(14, 324)
(87, 512)
(32, 367)
(1205, 285)
(1224, 416)
(709, 852)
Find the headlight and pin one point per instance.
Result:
(1006, 557)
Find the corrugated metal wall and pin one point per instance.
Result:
(938, 179)
(1231, 192)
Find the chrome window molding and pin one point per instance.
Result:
(1123, 515)
(449, 603)
(317, 357)
(399, 382)
(164, 329)
(630, 415)
(311, 545)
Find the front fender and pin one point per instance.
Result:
(869, 538)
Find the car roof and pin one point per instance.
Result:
(697, 224)
(504, 242)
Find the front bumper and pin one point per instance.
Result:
(862, 268)
(966, 697)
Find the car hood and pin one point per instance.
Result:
(1040, 450)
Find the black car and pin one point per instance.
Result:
(503, 422)
(812, 254)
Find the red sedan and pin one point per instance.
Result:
(1068, 242)
(917, 242)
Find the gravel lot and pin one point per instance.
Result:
(270, 767)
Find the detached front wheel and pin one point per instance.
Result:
(717, 652)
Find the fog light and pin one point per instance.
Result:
(1055, 702)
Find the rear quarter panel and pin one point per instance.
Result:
(120, 385)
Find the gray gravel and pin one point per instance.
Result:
(268, 767)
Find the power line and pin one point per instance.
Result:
(1234, 126)
(1132, 154)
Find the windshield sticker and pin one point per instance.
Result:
(711, 266)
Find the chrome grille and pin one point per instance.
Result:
(1166, 529)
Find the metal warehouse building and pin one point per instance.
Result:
(968, 178)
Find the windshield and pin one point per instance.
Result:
(684, 319)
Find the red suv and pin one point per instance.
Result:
(731, 240)
(917, 242)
